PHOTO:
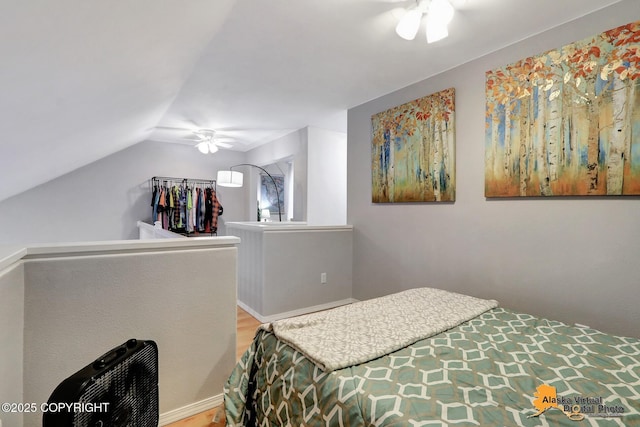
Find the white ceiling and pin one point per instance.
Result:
(83, 79)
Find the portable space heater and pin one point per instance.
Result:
(119, 389)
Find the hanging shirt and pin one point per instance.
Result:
(182, 200)
(213, 209)
(196, 204)
(164, 204)
(217, 208)
(192, 210)
(203, 208)
(155, 198)
(175, 193)
(188, 209)
(208, 211)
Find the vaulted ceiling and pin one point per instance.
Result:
(80, 80)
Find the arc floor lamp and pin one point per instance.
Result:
(231, 178)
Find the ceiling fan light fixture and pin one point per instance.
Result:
(440, 11)
(439, 14)
(207, 145)
(409, 25)
(436, 31)
(203, 147)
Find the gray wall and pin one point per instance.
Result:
(573, 259)
(11, 340)
(293, 262)
(279, 269)
(291, 147)
(103, 200)
(326, 177)
(77, 308)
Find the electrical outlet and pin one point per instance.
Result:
(323, 278)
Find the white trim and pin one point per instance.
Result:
(191, 409)
(14, 254)
(292, 313)
(249, 310)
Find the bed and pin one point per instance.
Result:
(433, 358)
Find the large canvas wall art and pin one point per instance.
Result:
(413, 151)
(567, 122)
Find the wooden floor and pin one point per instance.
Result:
(246, 328)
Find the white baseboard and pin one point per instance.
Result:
(191, 409)
(297, 312)
(249, 310)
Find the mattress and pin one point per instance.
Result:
(499, 368)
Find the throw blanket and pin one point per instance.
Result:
(363, 331)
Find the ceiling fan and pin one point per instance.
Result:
(207, 141)
(209, 144)
(438, 12)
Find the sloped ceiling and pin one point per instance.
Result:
(83, 79)
(80, 80)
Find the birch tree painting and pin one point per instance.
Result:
(567, 122)
(412, 153)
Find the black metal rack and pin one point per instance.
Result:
(171, 180)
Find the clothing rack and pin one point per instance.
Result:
(181, 214)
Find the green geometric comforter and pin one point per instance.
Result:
(489, 371)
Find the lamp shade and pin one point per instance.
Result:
(229, 179)
(266, 213)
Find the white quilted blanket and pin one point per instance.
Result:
(359, 332)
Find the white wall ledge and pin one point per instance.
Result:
(9, 255)
(280, 227)
(12, 254)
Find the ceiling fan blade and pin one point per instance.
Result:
(223, 144)
(172, 129)
(175, 141)
(194, 137)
